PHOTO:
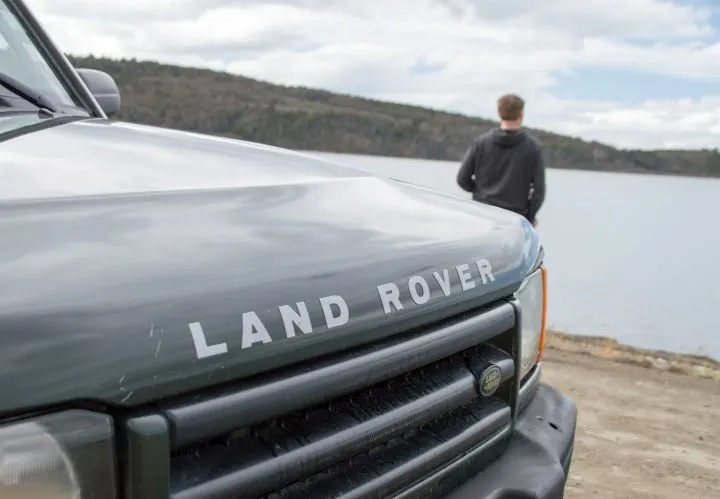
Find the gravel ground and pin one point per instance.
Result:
(648, 425)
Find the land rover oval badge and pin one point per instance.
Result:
(490, 380)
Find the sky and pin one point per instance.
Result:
(631, 73)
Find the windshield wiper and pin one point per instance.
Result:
(28, 93)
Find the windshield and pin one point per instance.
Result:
(20, 59)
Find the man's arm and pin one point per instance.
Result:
(467, 168)
(538, 196)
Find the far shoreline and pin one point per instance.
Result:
(637, 171)
(604, 347)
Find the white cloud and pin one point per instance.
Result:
(621, 18)
(483, 47)
(684, 123)
(692, 59)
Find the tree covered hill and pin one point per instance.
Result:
(220, 103)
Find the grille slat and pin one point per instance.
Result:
(331, 434)
(378, 474)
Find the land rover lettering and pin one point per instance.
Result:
(417, 290)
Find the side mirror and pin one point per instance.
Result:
(103, 88)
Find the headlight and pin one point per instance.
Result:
(532, 296)
(67, 455)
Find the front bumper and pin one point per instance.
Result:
(536, 462)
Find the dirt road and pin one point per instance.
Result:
(643, 432)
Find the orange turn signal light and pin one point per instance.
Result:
(543, 327)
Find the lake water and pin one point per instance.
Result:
(628, 255)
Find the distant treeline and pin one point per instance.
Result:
(301, 118)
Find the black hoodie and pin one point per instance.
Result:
(505, 168)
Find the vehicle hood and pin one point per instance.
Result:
(101, 157)
(141, 263)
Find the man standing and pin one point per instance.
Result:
(505, 167)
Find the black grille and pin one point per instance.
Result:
(410, 407)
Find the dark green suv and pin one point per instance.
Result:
(196, 317)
